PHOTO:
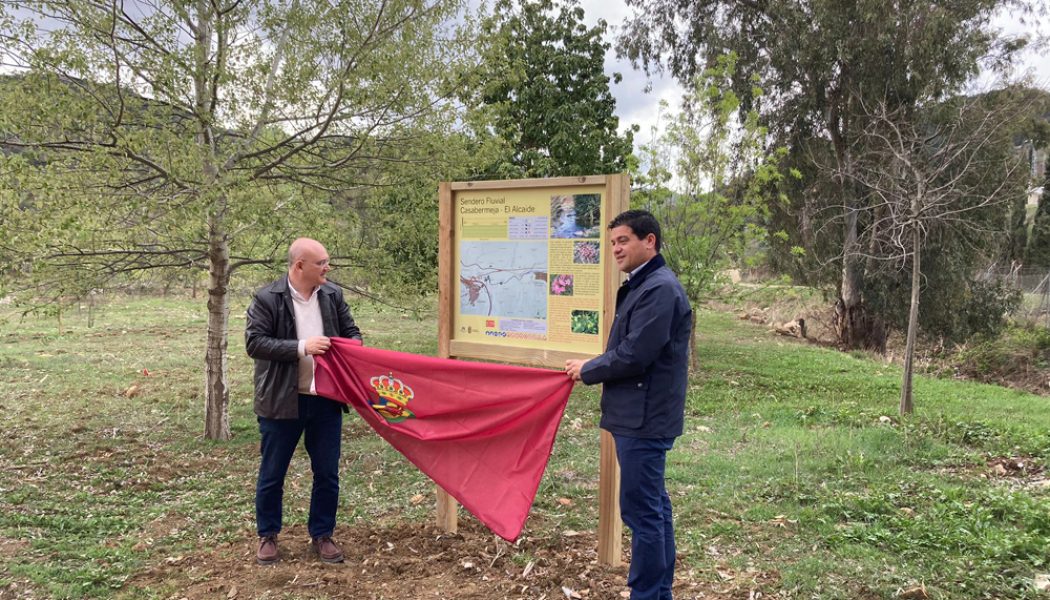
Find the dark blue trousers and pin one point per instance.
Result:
(321, 420)
(646, 509)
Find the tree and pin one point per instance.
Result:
(399, 248)
(1038, 252)
(1018, 229)
(719, 218)
(543, 96)
(1037, 138)
(821, 62)
(204, 134)
(966, 304)
(920, 167)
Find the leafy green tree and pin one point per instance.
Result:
(719, 219)
(542, 95)
(977, 235)
(206, 134)
(1038, 254)
(651, 171)
(821, 63)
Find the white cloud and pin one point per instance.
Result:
(1035, 62)
(638, 96)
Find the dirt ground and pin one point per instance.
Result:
(411, 562)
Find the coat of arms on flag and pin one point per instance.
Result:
(394, 396)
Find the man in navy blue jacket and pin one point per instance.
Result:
(644, 371)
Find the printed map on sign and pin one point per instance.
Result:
(503, 279)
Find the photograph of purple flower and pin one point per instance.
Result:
(586, 253)
(561, 285)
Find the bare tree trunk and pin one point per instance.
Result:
(913, 325)
(217, 390)
(851, 267)
(217, 400)
(849, 306)
(854, 325)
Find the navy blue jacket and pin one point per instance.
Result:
(646, 364)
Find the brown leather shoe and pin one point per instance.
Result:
(327, 549)
(267, 553)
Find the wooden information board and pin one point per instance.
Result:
(526, 276)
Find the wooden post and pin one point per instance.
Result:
(447, 511)
(610, 526)
(447, 515)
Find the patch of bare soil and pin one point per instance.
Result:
(1017, 472)
(790, 317)
(9, 548)
(415, 561)
(1014, 467)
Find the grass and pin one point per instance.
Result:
(794, 463)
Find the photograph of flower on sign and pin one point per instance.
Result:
(586, 253)
(561, 285)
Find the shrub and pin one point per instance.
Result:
(1017, 351)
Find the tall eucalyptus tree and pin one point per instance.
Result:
(820, 62)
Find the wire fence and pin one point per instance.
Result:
(1034, 285)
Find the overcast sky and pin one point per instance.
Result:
(634, 106)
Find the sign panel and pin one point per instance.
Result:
(529, 267)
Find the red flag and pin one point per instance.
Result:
(483, 432)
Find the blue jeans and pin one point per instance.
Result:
(646, 509)
(322, 422)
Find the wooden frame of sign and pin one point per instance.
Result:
(517, 221)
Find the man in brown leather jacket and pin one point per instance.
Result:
(289, 322)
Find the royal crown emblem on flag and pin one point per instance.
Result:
(394, 396)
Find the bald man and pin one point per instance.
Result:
(289, 322)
